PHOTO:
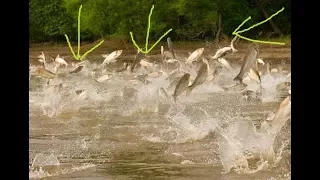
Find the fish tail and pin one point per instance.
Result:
(238, 78)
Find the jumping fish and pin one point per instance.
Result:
(249, 60)
(111, 58)
(103, 78)
(42, 58)
(45, 73)
(126, 65)
(168, 54)
(181, 86)
(254, 75)
(225, 50)
(283, 86)
(171, 48)
(260, 61)
(78, 69)
(60, 61)
(194, 55)
(201, 77)
(137, 59)
(281, 116)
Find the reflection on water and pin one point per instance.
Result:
(126, 129)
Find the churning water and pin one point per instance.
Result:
(124, 128)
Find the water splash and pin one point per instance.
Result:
(45, 160)
(269, 83)
(246, 150)
(42, 173)
(242, 147)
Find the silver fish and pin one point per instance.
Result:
(225, 50)
(111, 58)
(201, 77)
(170, 47)
(168, 54)
(137, 59)
(59, 60)
(42, 58)
(103, 78)
(164, 92)
(195, 55)
(222, 52)
(45, 73)
(124, 68)
(117, 67)
(283, 86)
(78, 69)
(281, 116)
(253, 74)
(181, 86)
(249, 60)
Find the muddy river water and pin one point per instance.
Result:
(123, 128)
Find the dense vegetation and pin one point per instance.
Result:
(189, 19)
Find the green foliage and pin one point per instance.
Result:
(284, 20)
(78, 56)
(237, 32)
(146, 51)
(235, 11)
(49, 20)
(190, 19)
(197, 19)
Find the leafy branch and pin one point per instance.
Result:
(78, 56)
(146, 51)
(236, 32)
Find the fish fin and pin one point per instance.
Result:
(238, 78)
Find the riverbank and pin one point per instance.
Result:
(267, 51)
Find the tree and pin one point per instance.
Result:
(219, 11)
(261, 4)
(49, 20)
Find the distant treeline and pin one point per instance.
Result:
(189, 19)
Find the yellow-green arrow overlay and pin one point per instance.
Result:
(236, 32)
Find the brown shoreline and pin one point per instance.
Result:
(268, 52)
